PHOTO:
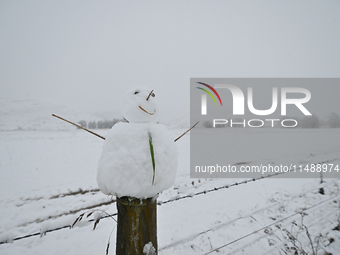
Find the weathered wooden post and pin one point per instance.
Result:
(321, 189)
(138, 161)
(136, 225)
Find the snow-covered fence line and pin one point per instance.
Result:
(44, 232)
(158, 203)
(218, 188)
(237, 183)
(331, 199)
(232, 221)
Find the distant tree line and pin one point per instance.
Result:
(100, 124)
(334, 120)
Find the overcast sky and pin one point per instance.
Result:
(85, 54)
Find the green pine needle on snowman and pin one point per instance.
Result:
(152, 157)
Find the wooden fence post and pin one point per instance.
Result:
(136, 225)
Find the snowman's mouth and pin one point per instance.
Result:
(146, 111)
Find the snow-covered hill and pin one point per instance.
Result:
(36, 114)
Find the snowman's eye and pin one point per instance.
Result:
(136, 92)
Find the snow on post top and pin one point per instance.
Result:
(139, 158)
(140, 106)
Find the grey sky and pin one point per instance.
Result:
(85, 54)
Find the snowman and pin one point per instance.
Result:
(139, 158)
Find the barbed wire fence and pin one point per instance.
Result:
(275, 223)
(40, 233)
(159, 203)
(224, 224)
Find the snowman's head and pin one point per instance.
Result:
(139, 106)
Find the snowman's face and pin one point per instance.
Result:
(139, 106)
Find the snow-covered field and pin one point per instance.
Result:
(48, 178)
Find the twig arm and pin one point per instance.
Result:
(93, 133)
(186, 132)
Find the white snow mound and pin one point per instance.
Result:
(126, 166)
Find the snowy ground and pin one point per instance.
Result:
(48, 178)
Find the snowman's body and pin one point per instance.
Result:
(139, 158)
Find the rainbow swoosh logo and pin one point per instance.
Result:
(209, 93)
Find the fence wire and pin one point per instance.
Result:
(269, 225)
(160, 203)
